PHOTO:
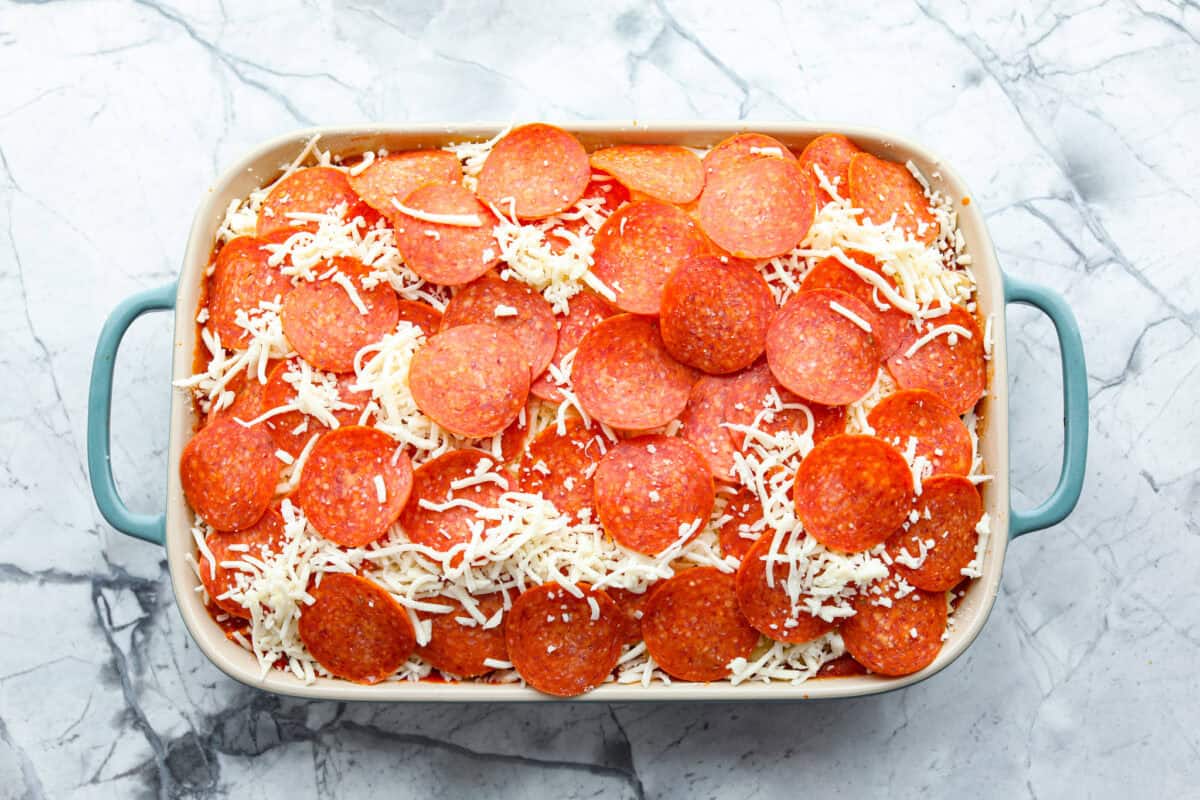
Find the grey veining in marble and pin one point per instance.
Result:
(1076, 124)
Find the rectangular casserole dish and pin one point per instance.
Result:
(171, 529)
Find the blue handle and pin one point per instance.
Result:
(1075, 408)
(149, 527)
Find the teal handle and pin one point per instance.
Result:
(1075, 408)
(148, 527)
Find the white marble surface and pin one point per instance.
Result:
(1076, 125)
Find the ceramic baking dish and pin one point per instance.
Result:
(171, 529)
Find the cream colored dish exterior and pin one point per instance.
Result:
(264, 163)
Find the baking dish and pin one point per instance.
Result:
(171, 528)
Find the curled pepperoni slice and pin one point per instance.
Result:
(769, 608)
(741, 145)
(704, 421)
(535, 170)
(949, 509)
(739, 533)
(714, 315)
(852, 492)
(757, 400)
(885, 189)
(560, 467)
(893, 635)
(355, 629)
(241, 279)
(562, 644)
(693, 627)
(434, 482)
(340, 485)
(832, 153)
(511, 306)
(394, 177)
(665, 172)
(941, 436)
(423, 315)
(584, 312)
(324, 324)
(650, 490)
(258, 541)
(637, 249)
(472, 380)
(888, 326)
(757, 206)
(228, 472)
(950, 364)
(461, 649)
(814, 350)
(313, 190)
(291, 430)
(624, 376)
(449, 254)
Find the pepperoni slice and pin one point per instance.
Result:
(693, 627)
(241, 279)
(355, 629)
(651, 488)
(888, 327)
(768, 608)
(757, 206)
(291, 430)
(665, 172)
(841, 667)
(560, 467)
(852, 492)
(744, 512)
(832, 153)
(704, 425)
(440, 253)
(535, 170)
(881, 637)
(955, 372)
(883, 189)
(339, 488)
(326, 327)
(941, 436)
(818, 353)
(514, 437)
(262, 538)
(633, 607)
(637, 249)
(432, 481)
(740, 145)
(756, 390)
(247, 396)
(714, 315)
(472, 380)
(950, 508)
(612, 195)
(460, 649)
(228, 473)
(423, 315)
(584, 312)
(396, 176)
(624, 376)
(492, 301)
(313, 190)
(557, 646)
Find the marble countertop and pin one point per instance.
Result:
(1074, 122)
